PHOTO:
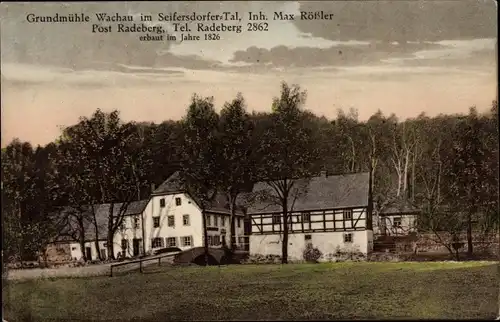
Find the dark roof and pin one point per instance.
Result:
(174, 185)
(101, 214)
(169, 186)
(399, 207)
(322, 192)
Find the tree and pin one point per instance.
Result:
(287, 151)
(199, 163)
(27, 192)
(467, 171)
(99, 150)
(236, 163)
(16, 170)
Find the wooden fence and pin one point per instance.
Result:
(141, 261)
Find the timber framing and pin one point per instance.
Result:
(311, 221)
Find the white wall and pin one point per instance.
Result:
(129, 232)
(194, 229)
(187, 207)
(325, 242)
(76, 251)
(407, 224)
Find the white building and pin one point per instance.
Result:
(172, 218)
(398, 218)
(169, 218)
(329, 212)
(131, 229)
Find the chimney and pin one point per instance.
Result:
(152, 187)
(323, 174)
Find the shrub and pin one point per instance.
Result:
(262, 259)
(345, 254)
(311, 254)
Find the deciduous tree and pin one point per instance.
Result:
(199, 168)
(235, 155)
(288, 151)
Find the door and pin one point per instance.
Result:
(136, 243)
(88, 253)
(383, 226)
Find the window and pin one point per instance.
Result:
(239, 222)
(157, 242)
(171, 242)
(122, 225)
(136, 222)
(276, 219)
(208, 220)
(213, 240)
(348, 238)
(124, 245)
(298, 218)
(178, 201)
(306, 217)
(347, 214)
(171, 221)
(223, 220)
(185, 220)
(162, 203)
(397, 222)
(308, 237)
(156, 221)
(186, 241)
(216, 218)
(73, 248)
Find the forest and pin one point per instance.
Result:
(446, 165)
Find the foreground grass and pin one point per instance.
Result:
(270, 292)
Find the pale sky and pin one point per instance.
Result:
(405, 57)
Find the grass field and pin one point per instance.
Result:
(270, 292)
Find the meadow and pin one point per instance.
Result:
(366, 290)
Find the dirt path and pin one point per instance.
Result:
(23, 274)
(84, 271)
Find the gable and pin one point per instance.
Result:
(173, 185)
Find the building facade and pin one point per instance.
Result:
(169, 218)
(329, 212)
(398, 219)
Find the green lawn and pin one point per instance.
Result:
(264, 292)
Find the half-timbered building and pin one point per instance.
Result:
(397, 219)
(329, 212)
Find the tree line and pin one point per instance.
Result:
(445, 165)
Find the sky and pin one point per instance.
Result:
(402, 57)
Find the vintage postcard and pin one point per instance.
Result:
(249, 160)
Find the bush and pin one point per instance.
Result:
(262, 259)
(344, 255)
(311, 254)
